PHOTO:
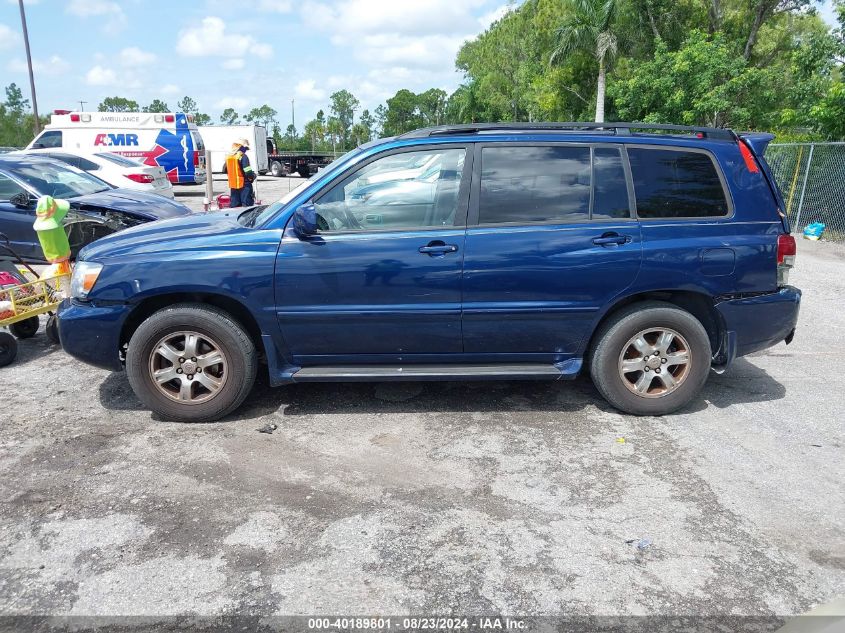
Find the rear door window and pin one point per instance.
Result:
(676, 184)
(534, 184)
(610, 191)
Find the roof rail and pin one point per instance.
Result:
(618, 128)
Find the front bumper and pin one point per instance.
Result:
(91, 333)
(759, 322)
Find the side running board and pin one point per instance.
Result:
(351, 373)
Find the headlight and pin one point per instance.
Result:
(84, 277)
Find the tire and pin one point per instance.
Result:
(8, 349)
(276, 169)
(305, 172)
(157, 346)
(52, 330)
(26, 328)
(652, 364)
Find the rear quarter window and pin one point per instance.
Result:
(670, 183)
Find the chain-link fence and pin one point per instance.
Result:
(811, 177)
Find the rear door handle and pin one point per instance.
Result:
(611, 239)
(438, 248)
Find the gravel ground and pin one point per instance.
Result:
(514, 498)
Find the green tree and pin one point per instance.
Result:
(315, 132)
(16, 119)
(187, 105)
(705, 82)
(334, 128)
(200, 118)
(343, 106)
(402, 113)
(590, 27)
(379, 118)
(118, 104)
(264, 115)
(230, 117)
(157, 105)
(432, 106)
(829, 113)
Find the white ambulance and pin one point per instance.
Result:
(169, 140)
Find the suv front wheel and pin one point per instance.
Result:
(191, 363)
(651, 358)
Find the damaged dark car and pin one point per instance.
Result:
(97, 208)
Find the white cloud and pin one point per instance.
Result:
(55, 65)
(100, 76)
(238, 103)
(134, 57)
(235, 63)
(274, 6)
(8, 37)
(211, 38)
(496, 14)
(385, 34)
(170, 89)
(443, 17)
(307, 91)
(115, 17)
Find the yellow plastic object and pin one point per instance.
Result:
(33, 298)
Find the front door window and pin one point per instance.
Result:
(401, 191)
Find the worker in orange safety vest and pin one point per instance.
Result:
(241, 175)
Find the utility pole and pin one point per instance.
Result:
(29, 65)
(82, 106)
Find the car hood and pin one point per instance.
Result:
(150, 206)
(194, 232)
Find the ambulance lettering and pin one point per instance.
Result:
(116, 140)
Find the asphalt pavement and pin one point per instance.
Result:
(420, 498)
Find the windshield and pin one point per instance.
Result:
(58, 180)
(118, 159)
(257, 216)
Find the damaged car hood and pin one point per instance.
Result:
(148, 206)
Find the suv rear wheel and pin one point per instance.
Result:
(651, 358)
(191, 363)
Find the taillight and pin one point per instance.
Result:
(144, 179)
(196, 158)
(786, 257)
(748, 157)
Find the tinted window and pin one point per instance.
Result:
(8, 187)
(534, 184)
(408, 190)
(676, 184)
(51, 138)
(610, 198)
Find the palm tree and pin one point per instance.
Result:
(589, 27)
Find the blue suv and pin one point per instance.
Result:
(643, 254)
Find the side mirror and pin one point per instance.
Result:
(21, 200)
(305, 221)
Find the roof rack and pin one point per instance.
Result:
(619, 129)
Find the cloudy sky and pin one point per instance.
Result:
(239, 54)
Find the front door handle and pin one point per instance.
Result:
(611, 239)
(438, 248)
